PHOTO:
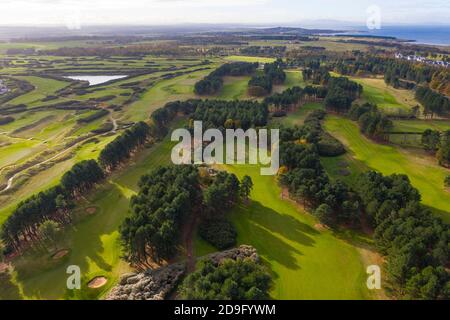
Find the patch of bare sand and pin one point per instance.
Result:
(97, 282)
(60, 254)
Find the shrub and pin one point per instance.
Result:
(218, 232)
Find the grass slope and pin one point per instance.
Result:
(424, 173)
(305, 263)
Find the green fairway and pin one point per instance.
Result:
(250, 59)
(234, 88)
(306, 262)
(390, 100)
(42, 87)
(420, 125)
(93, 241)
(298, 116)
(178, 88)
(425, 174)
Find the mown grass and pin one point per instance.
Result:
(420, 125)
(42, 87)
(305, 263)
(250, 59)
(94, 241)
(425, 174)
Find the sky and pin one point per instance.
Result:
(76, 13)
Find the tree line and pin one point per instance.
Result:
(372, 123)
(22, 226)
(434, 102)
(413, 239)
(438, 143)
(213, 83)
(291, 97)
(121, 148)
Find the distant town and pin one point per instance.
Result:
(437, 63)
(3, 88)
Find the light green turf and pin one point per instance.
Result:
(178, 88)
(425, 174)
(42, 88)
(305, 263)
(234, 88)
(250, 59)
(298, 116)
(390, 100)
(94, 242)
(420, 125)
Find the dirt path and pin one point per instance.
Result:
(188, 239)
(11, 180)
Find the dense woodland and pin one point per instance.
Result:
(22, 227)
(230, 280)
(261, 84)
(372, 123)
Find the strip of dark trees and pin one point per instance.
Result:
(121, 148)
(372, 123)
(96, 115)
(438, 143)
(22, 226)
(213, 83)
(434, 103)
(218, 114)
(292, 97)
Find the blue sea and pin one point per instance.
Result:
(437, 35)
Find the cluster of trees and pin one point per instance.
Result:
(396, 70)
(371, 121)
(167, 195)
(231, 114)
(433, 102)
(96, 115)
(304, 176)
(6, 120)
(261, 84)
(218, 198)
(360, 65)
(23, 225)
(214, 82)
(341, 93)
(291, 97)
(318, 76)
(415, 242)
(121, 148)
(438, 143)
(229, 280)
(266, 51)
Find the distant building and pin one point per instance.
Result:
(3, 88)
(437, 63)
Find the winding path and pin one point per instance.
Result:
(17, 174)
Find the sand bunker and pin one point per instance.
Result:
(97, 282)
(60, 254)
(91, 210)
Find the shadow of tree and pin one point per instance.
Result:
(270, 232)
(8, 290)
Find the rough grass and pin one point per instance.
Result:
(250, 59)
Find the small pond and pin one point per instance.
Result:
(94, 80)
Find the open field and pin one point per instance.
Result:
(392, 101)
(425, 174)
(298, 116)
(250, 59)
(304, 261)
